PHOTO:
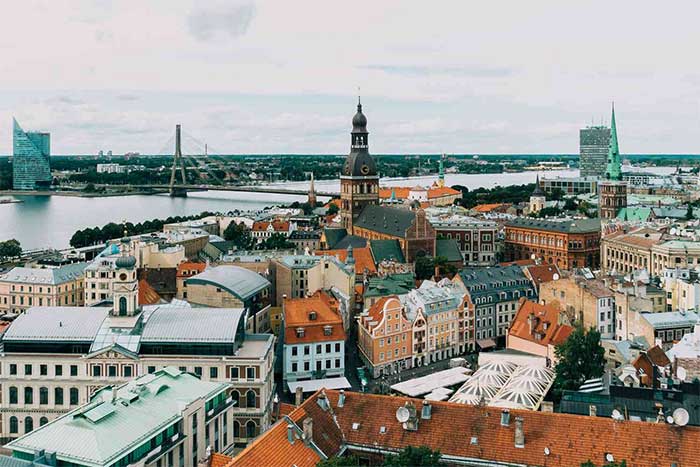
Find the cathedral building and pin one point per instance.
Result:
(359, 182)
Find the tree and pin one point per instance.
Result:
(10, 249)
(345, 461)
(276, 241)
(579, 358)
(445, 268)
(425, 266)
(239, 234)
(89, 188)
(412, 456)
(333, 209)
(689, 214)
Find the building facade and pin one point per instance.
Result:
(593, 151)
(314, 339)
(495, 293)
(359, 180)
(568, 243)
(476, 238)
(31, 154)
(22, 287)
(384, 337)
(167, 418)
(612, 197)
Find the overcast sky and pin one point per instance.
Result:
(281, 76)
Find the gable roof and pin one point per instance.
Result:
(386, 250)
(147, 294)
(297, 315)
(362, 256)
(564, 225)
(466, 433)
(448, 248)
(332, 235)
(386, 220)
(539, 324)
(541, 273)
(45, 276)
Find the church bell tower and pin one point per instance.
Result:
(359, 181)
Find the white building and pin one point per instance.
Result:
(110, 169)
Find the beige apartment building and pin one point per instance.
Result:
(674, 254)
(24, 287)
(627, 251)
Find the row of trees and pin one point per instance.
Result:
(10, 249)
(96, 235)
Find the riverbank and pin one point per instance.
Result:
(78, 194)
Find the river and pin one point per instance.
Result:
(50, 221)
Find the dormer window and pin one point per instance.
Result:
(300, 332)
(327, 330)
(312, 316)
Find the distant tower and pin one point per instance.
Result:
(537, 198)
(441, 173)
(613, 170)
(177, 163)
(125, 289)
(312, 192)
(359, 181)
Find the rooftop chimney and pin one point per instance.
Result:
(290, 433)
(341, 398)
(299, 396)
(308, 428)
(519, 433)
(426, 412)
(593, 410)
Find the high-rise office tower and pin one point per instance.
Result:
(31, 152)
(593, 144)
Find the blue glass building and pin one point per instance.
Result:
(30, 159)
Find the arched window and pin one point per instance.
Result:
(236, 397)
(43, 421)
(250, 429)
(43, 396)
(28, 424)
(28, 395)
(250, 398)
(74, 396)
(122, 306)
(13, 395)
(236, 428)
(13, 425)
(58, 396)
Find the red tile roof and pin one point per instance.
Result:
(219, 460)
(545, 330)
(542, 273)
(297, 315)
(277, 226)
(401, 193)
(489, 207)
(363, 258)
(188, 269)
(147, 294)
(439, 192)
(467, 432)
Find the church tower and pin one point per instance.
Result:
(312, 193)
(125, 288)
(537, 198)
(359, 181)
(614, 167)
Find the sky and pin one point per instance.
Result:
(277, 76)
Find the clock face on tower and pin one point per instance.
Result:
(364, 169)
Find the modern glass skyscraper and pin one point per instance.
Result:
(31, 152)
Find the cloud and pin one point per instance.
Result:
(206, 22)
(474, 71)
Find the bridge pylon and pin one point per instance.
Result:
(174, 190)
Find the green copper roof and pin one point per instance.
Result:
(103, 431)
(449, 249)
(614, 168)
(394, 284)
(386, 249)
(635, 213)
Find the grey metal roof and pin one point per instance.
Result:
(45, 276)
(564, 225)
(670, 319)
(241, 282)
(7, 461)
(194, 325)
(490, 281)
(390, 221)
(57, 324)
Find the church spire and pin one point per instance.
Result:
(614, 168)
(312, 192)
(441, 172)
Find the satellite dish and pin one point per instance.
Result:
(682, 373)
(533, 256)
(617, 415)
(609, 457)
(555, 277)
(402, 414)
(669, 420)
(673, 231)
(681, 416)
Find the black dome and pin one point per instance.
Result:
(360, 164)
(359, 121)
